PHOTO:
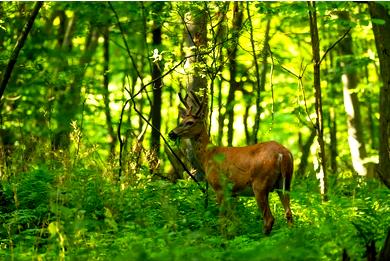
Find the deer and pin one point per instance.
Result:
(259, 169)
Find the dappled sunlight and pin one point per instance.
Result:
(100, 161)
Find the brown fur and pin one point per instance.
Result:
(262, 167)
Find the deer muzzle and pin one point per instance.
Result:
(172, 135)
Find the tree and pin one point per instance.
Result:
(70, 107)
(351, 102)
(381, 26)
(196, 27)
(157, 89)
(232, 56)
(319, 125)
(260, 77)
(87, 68)
(332, 115)
(18, 46)
(106, 92)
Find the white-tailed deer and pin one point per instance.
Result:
(263, 167)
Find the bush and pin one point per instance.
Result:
(78, 213)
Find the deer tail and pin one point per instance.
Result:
(286, 169)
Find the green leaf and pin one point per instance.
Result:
(219, 157)
(378, 21)
(53, 228)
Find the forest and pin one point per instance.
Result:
(128, 128)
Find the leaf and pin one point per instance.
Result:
(53, 228)
(378, 21)
(219, 157)
(109, 220)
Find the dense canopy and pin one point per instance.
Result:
(90, 90)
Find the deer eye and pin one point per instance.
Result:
(189, 123)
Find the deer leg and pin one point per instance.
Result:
(285, 199)
(261, 195)
(221, 201)
(220, 196)
(266, 211)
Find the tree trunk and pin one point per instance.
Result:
(319, 125)
(371, 250)
(61, 15)
(305, 149)
(232, 54)
(18, 46)
(332, 115)
(351, 103)
(260, 78)
(221, 117)
(69, 106)
(196, 25)
(382, 42)
(106, 92)
(156, 106)
(197, 38)
(385, 252)
(332, 123)
(248, 137)
(371, 120)
(2, 35)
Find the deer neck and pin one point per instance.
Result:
(201, 145)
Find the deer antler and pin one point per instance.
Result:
(195, 98)
(184, 101)
(199, 104)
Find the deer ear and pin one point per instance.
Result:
(182, 112)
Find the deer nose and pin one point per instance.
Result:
(172, 135)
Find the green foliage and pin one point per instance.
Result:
(79, 214)
(66, 203)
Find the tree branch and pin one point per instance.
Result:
(18, 46)
(165, 141)
(334, 44)
(126, 44)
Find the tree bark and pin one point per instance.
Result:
(319, 124)
(332, 115)
(69, 106)
(382, 42)
(156, 106)
(197, 37)
(18, 46)
(106, 92)
(221, 117)
(70, 27)
(385, 252)
(305, 149)
(373, 130)
(196, 23)
(2, 37)
(196, 29)
(232, 55)
(248, 137)
(61, 15)
(260, 78)
(351, 103)
(332, 123)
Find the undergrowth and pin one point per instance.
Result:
(54, 212)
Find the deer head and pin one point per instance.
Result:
(192, 123)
